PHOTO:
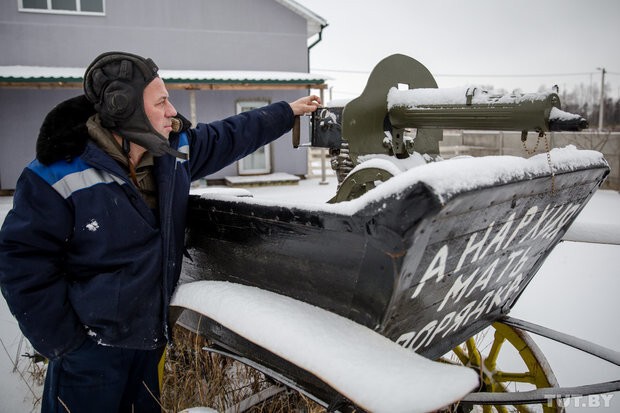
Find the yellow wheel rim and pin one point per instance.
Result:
(482, 353)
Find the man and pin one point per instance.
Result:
(92, 249)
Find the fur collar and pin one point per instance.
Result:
(63, 134)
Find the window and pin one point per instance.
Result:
(92, 7)
(258, 162)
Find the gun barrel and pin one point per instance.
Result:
(565, 121)
(474, 109)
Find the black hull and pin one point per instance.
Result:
(410, 266)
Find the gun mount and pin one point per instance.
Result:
(388, 121)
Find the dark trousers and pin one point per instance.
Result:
(103, 379)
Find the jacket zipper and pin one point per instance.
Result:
(169, 251)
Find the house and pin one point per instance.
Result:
(218, 57)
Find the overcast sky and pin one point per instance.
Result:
(540, 42)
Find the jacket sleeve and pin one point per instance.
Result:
(32, 243)
(218, 144)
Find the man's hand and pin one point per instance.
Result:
(306, 104)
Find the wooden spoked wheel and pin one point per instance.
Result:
(527, 368)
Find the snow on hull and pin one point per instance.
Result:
(367, 368)
(452, 177)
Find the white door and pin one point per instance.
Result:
(258, 162)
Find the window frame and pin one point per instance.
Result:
(49, 10)
(241, 169)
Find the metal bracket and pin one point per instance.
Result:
(542, 395)
(469, 94)
(268, 372)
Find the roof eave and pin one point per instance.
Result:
(315, 22)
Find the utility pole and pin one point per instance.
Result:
(602, 104)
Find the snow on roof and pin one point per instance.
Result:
(239, 76)
(30, 74)
(369, 369)
(40, 73)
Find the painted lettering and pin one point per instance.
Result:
(457, 291)
(480, 307)
(445, 322)
(470, 289)
(483, 281)
(500, 236)
(511, 258)
(473, 247)
(461, 316)
(519, 266)
(534, 230)
(437, 268)
(525, 221)
(421, 336)
(498, 300)
(562, 220)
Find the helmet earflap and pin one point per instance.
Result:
(119, 101)
(115, 93)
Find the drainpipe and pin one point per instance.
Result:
(323, 151)
(315, 43)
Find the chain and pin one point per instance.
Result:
(550, 165)
(547, 150)
(533, 151)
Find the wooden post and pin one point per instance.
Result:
(192, 106)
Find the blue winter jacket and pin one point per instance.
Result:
(81, 253)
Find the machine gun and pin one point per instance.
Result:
(385, 120)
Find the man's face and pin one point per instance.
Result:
(158, 108)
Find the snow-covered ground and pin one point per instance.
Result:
(576, 292)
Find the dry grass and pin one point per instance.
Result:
(194, 377)
(30, 367)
